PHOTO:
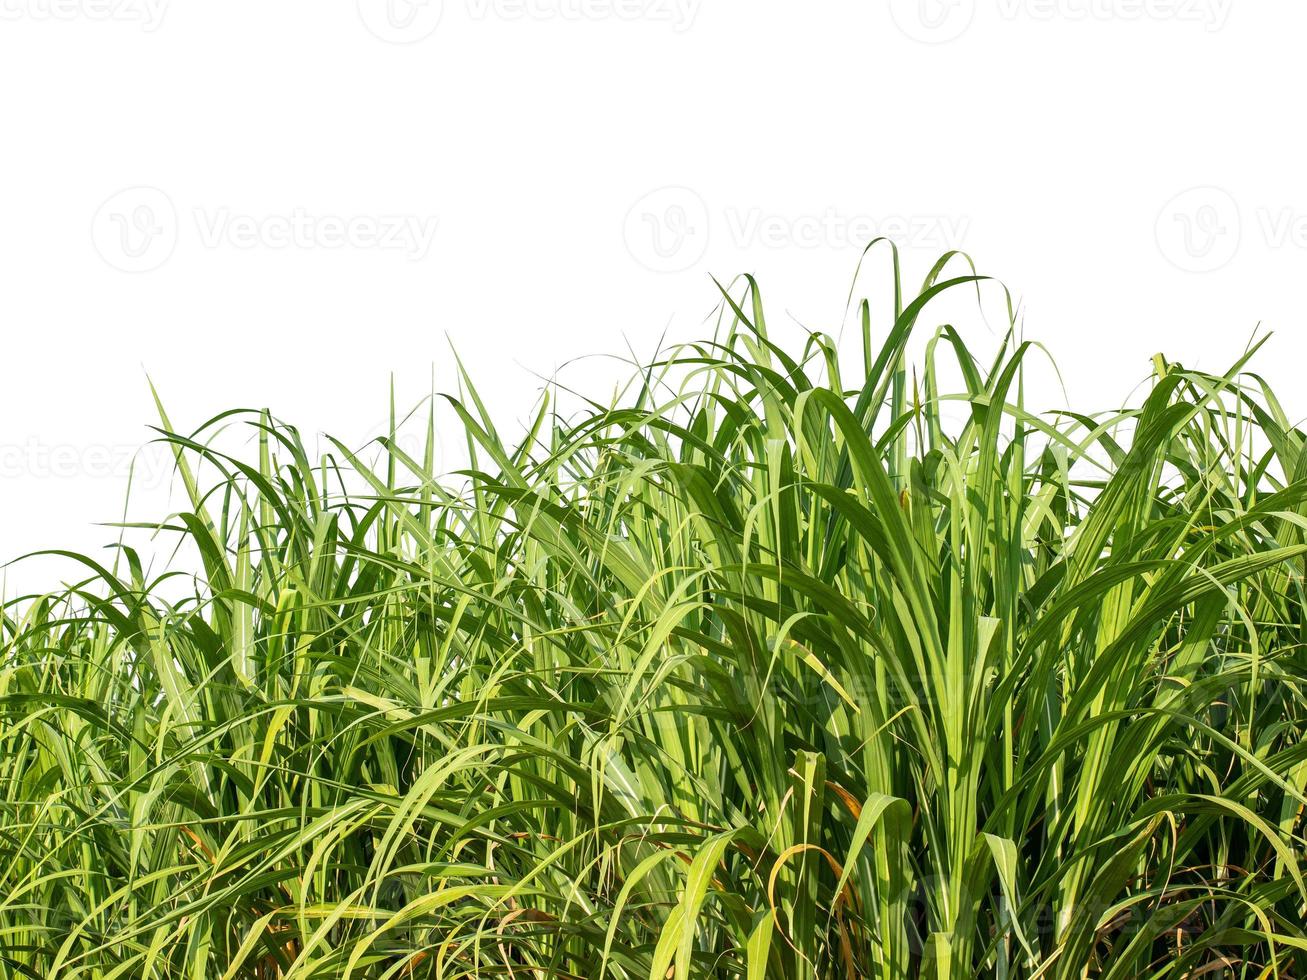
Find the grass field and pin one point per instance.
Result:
(779, 666)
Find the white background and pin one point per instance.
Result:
(283, 203)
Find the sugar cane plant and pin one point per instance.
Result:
(776, 665)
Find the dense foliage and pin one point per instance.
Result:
(768, 669)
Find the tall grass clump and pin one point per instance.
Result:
(778, 665)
